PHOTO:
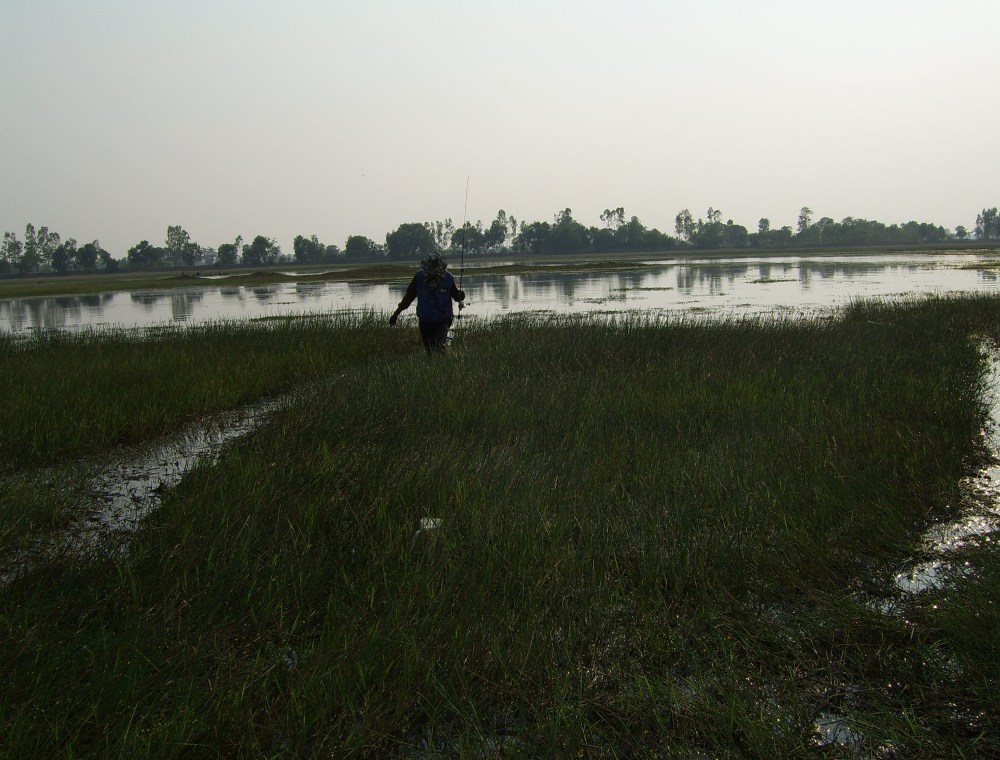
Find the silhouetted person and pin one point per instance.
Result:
(433, 287)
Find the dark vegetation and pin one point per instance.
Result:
(658, 538)
(43, 250)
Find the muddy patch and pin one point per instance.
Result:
(124, 491)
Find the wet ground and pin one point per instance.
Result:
(938, 558)
(126, 489)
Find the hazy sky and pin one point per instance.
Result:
(120, 117)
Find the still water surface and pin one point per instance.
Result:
(720, 287)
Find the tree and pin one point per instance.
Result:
(684, 225)
(567, 235)
(469, 238)
(496, 235)
(86, 256)
(613, 218)
(228, 253)
(30, 259)
(64, 255)
(987, 224)
(449, 230)
(961, 232)
(534, 237)
(410, 240)
(308, 251)
(108, 264)
(10, 254)
(565, 216)
(262, 250)
(708, 235)
(736, 235)
(825, 230)
(193, 254)
(658, 241)
(35, 253)
(360, 247)
(182, 250)
(631, 236)
(763, 226)
(143, 255)
(45, 243)
(805, 219)
(783, 236)
(177, 243)
(602, 239)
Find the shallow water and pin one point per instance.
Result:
(942, 543)
(795, 285)
(130, 486)
(128, 489)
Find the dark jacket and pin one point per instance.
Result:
(432, 306)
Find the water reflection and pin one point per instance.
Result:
(716, 287)
(694, 276)
(22, 314)
(147, 300)
(308, 290)
(265, 292)
(182, 304)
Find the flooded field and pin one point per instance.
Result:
(793, 285)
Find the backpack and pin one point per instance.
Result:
(434, 305)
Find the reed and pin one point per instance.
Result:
(657, 537)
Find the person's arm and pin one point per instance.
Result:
(456, 294)
(408, 297)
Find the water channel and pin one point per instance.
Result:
(789, 285)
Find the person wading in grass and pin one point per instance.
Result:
(433, 287)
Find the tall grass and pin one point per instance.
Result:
(656, 539)
(71, 394)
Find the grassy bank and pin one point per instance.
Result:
(28, 286)
(657, 539)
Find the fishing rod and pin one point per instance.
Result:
(465, 237)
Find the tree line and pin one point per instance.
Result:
(43, 250)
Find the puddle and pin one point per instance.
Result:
(126, 491)
(427, 532)
(942, 543)
(832, 729)
(483, 745)
(940, 561)
(926, 576)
